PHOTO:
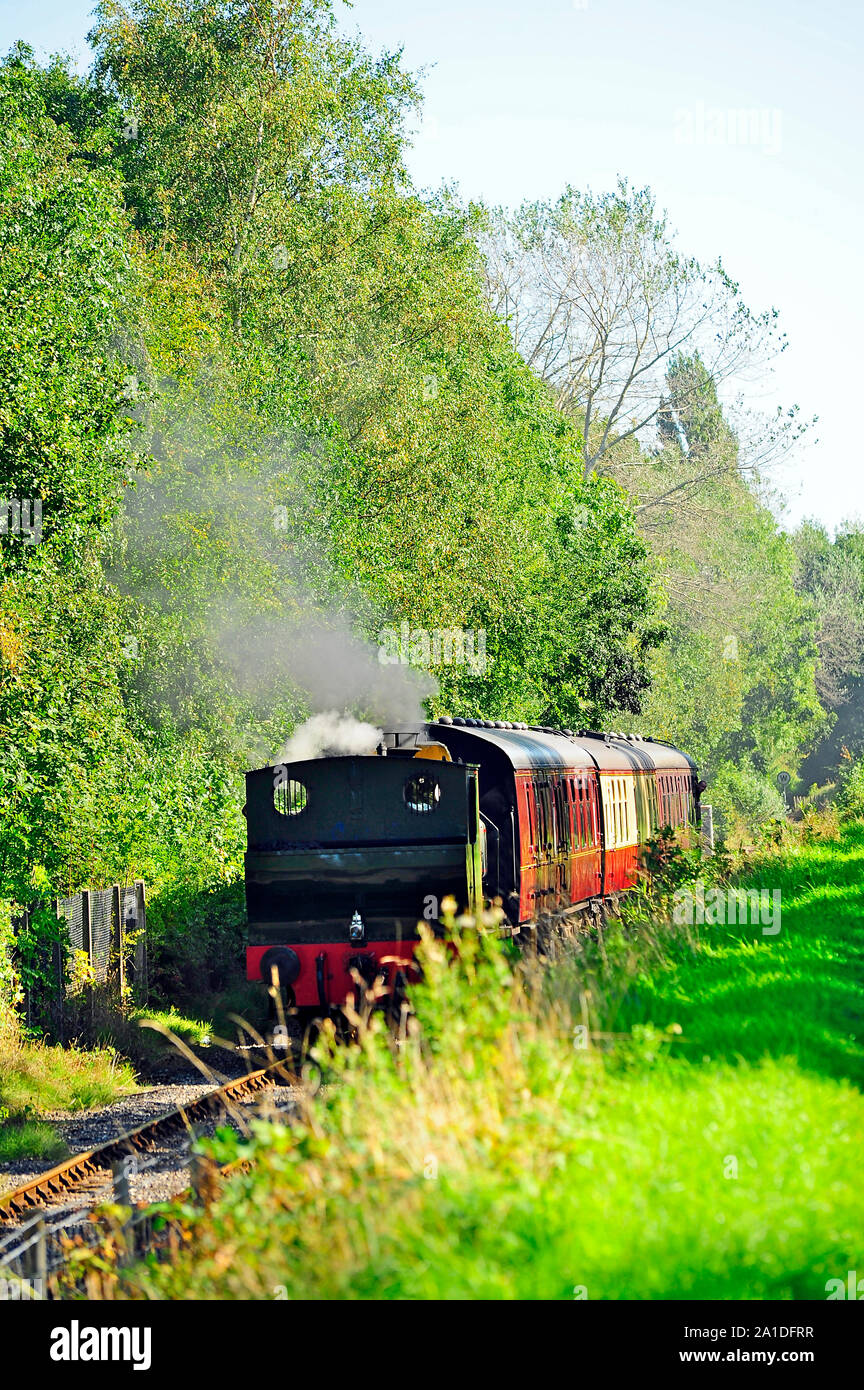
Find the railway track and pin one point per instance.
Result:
(88, 1169)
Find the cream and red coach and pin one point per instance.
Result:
(347, 854)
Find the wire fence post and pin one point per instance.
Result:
(120, 1174)
(87, 948)
(40, 1254)
(118, 941)
(58, 970)
(136, 921)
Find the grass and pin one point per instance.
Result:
(36, 1078)
(151, 1044)
(705, 1145)
(200, 1021)
(23, 1138)
(799, 995)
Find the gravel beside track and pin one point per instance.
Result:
(162, 1171)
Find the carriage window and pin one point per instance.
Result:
(626, 791)
(545, 816)
(290, 798)
(562, 817)
(422, 794)
(538, 814)
(549, 799)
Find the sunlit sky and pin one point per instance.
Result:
(522, 99)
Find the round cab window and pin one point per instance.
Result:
(422, 794)
(290, 799)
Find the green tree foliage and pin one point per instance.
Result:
(258, 386)
(831, 577)
(383, 406)
(63, 449)
(736, 682)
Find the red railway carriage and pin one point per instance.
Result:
(581, 806)
(347, 854)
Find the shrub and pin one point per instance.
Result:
(744, 800)
(851, 798)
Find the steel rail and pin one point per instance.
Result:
(82, 1167)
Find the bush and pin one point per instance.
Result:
(196, 941)
(851, 798)
(8, 984)
(743, 800)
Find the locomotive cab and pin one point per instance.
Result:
(346, 855)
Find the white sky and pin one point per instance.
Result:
(523, 98)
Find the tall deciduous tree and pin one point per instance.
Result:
(602, 305)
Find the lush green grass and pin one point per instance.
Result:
(195, 1032)
(491, 1156)
(740, 994)
(36, 1078)
(23, 1138)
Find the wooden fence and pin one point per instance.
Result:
(105, 944)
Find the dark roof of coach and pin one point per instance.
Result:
(529, 747)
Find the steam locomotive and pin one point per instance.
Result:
(347, 854)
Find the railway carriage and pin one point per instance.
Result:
(346, 854)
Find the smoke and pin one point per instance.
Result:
(329, 735)
(242, 597)
(320, 654)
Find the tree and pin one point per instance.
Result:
(64, 448)
(736, 683)
(831, 577)
(271, 414)
(387, 412)
(602, 306)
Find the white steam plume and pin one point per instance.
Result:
(330, 734)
